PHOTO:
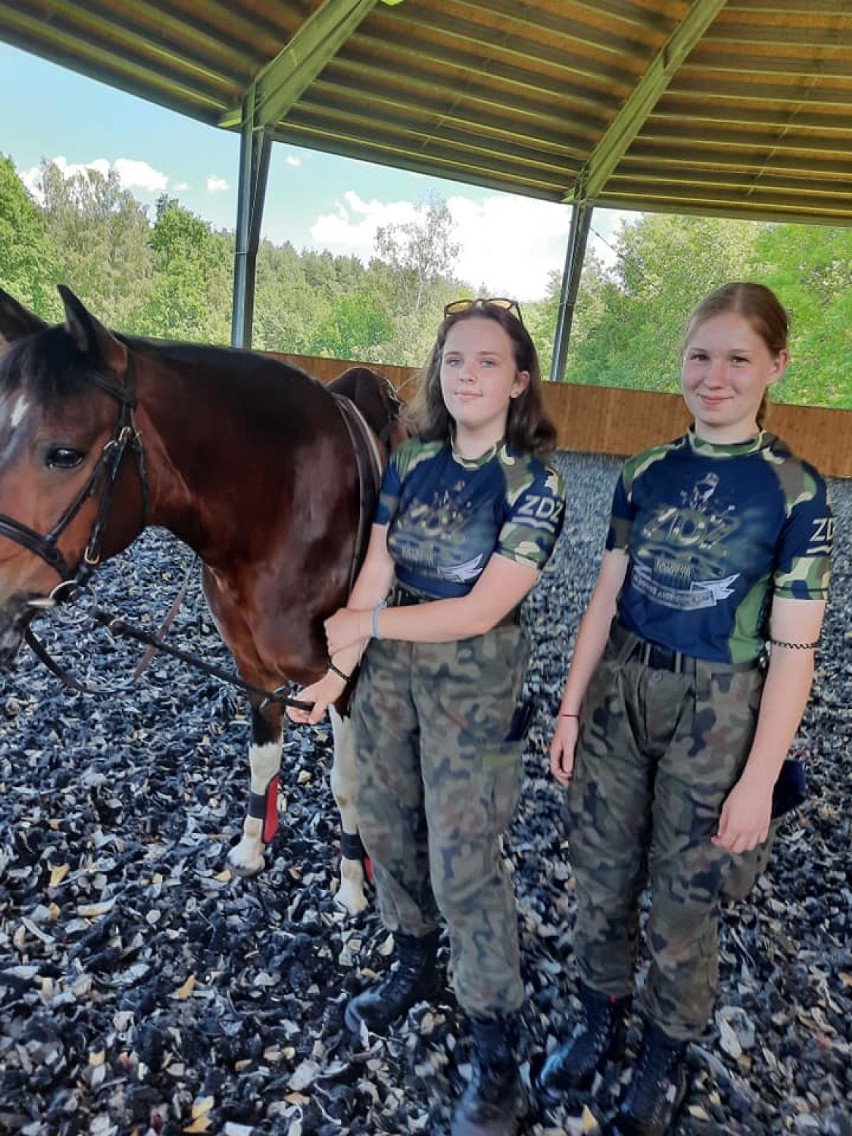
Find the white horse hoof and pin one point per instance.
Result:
(245, 861)
(350, 897)
(350, 894)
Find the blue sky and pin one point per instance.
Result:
(314, 200)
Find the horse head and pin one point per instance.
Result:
(376, 398)
(65, 421)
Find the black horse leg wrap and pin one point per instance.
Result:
(351, 847)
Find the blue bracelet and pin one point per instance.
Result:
(374, 627)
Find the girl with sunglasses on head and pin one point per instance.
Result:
(672, 733)
(468, 515)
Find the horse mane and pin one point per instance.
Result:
(185, 353)
(53, 366)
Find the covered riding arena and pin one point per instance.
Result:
(144, 988)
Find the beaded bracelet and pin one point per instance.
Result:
(795, 646)
(339, 672)
(374, 625)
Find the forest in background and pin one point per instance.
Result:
(168, 273)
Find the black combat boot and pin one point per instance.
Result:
(656, 1089)
(415, 978)
(493, 1102)
(597, 1037)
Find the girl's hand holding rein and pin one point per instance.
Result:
(322, 693)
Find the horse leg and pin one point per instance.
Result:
(261, 822)
(350, 894)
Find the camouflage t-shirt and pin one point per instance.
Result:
(713, 532)
(447, 515)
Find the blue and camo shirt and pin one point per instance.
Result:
(713, 532)
(447, 516)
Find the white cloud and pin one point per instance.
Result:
(132, 175)
(216, 184)
(292, 160)
(140, 175)
(351, 229)
(509, 245)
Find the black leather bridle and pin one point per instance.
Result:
(104, 474)
(102, 478)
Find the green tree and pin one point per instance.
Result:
(589, 311)
(193, 271)
(412, 277)
(285, 314)
(28, 268)
(810, 268)
(99, 234)
(355, 328)
(629, 326)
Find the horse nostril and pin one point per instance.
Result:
(10, 641)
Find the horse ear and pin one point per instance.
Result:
(91, 336)
(16, 321)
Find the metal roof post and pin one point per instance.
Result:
(272, 94)
(255, 147)
(575, 253)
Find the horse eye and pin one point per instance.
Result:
(62, 457)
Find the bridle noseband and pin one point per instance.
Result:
(105, 471)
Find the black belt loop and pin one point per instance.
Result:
(660, 658)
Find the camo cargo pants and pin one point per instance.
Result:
(437, 784)
(658, 753)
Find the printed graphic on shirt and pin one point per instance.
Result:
(682, 561)
(448, 516)
(712, 533)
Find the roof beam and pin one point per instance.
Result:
(282, 82)
(633, 114)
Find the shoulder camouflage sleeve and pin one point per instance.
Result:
(803, 559)
(535, 495)
(618, 536)
(401, 462)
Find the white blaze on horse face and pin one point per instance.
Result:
(18, 411)
(13, 418)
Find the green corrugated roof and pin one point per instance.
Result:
(739, 109)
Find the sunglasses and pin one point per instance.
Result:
(458, 306)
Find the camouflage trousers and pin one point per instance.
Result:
(657, 755)
(438, 781)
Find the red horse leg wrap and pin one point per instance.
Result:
(264, 806)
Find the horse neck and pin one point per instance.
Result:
(171, 412)
(200, 444)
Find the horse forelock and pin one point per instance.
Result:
(45, 366)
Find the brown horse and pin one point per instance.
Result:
(269, 476)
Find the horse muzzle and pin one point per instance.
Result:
(15, 616)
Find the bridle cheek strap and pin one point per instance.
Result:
(107, 466)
